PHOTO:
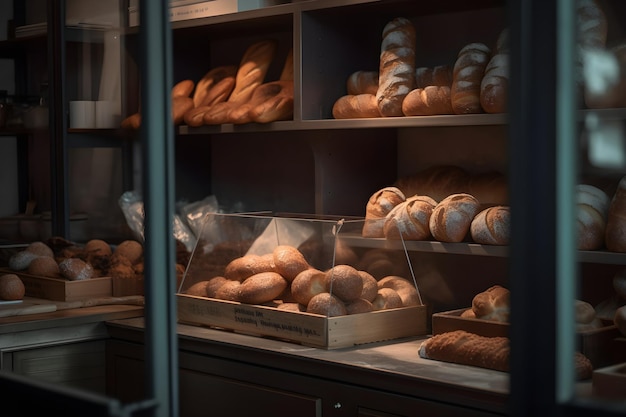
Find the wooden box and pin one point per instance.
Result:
(122, 287)
(600, 345)
(610, 382)
(303, 328)
(57, 289)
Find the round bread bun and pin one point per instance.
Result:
(20, 260)
(387, 298)
(327, 305)
(619, 284)
(198, 289)
(243, 267)
(98, 247)
(11, 287)
(229, 291)
(308, 284)
(44, 266)
(585, 313)
(405, 289)
(358, 306)
(75, 269)
(620, 319)
(213, 285)
(289, 261)
(131, 250)
(261, 288)
(40, 248)
(370, 286)
(491, 226)
(345, 282)
(468, 314)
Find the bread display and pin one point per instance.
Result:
(492, 226)
(406, 290)
(397, 66)
(592, 205)
(467, 76)
(452, 217)
(409, 220)
(471, 349)
(615, 238)
(377, 208)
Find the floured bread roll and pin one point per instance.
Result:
(409, 219)
(377, 208)
(452, 217)
(592, 205)
(492, 304)
(492, 226)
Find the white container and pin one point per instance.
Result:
(82, 114)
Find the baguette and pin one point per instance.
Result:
(362, 82)
(397, 66)
(467, 76)
(356, 106)
(495, 84)
(427, 101)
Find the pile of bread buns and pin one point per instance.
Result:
(234, 94)
(475, 82)
(62, 259)
(284, 279)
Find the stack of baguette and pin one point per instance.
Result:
(475, 82)
(234, 94)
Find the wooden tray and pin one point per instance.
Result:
(610, 382)
(600, 345)
(304, 328)
(61, 289)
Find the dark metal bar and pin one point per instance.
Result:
(157, 141)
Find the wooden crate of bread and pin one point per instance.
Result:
(303, 328)
(59, 289)
(600, 345)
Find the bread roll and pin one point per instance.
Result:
(492, 304)
(345, 282)
(467, 348)
(387, 298)
(362, 82)
(616, 220)
(409, 220)
(198, 289)
(377, 208)
(21, 260)
(467, 76)
(44, 266)
(261, 288)
(397, 66)
(39, 248)
(370, 286)
(428, 101)
(229, 291)
(592, 205)
(356, 107)
(289, 261)
(131, 250)
(75, 269)
(11, 287)
(406, 289)
(213, 285)
(492, 226)
(439, 75)
(495, 84)
(215, 86)
(243, 267)
(359, 306)
(437, 182)
(308, 284)
(452, 217)
(327, 305)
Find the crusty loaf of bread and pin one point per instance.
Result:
(452, 217)
(439, 75)
(615, 238)
(492, 226)
(467, 76)
(409, 220)
(492, 304)
(356, 107)
(397, 66)
(252, 69)
(495, 84)
(592, 205)
(215, 86)
(377, 208)
(437, 182)
(428, 101)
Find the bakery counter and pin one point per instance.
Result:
(59, 342)
(355, 381)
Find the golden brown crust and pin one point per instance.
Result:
(359, 306)
(273, 103)
(428, 101)
(406, 289)
(198, 289)
(308, 284)
(362, 82)
(327, 305)
(11, 287)
(289, 261)
(215, 86)
(243, 267)
(495, 84)
(492, 226)
(183, 88)
(356, 107)
(345, 282)
(409, 219)
(370, 286)
(387, 298)
(252, 69)
(492, 304)
(452, 217)
(378, 206)
(467, 76)
(180, 106)
(261, 288)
